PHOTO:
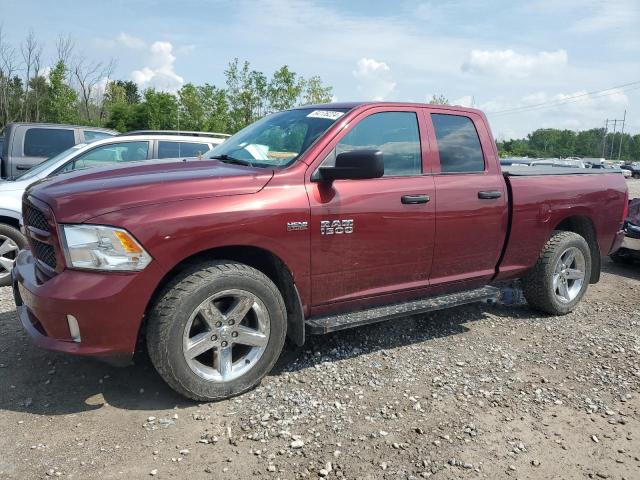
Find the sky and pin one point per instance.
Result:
(528, 65)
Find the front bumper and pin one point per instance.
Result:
(108, 308)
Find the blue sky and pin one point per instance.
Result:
(498, 55)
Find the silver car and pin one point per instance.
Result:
(103, 152)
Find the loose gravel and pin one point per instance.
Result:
(483, 391)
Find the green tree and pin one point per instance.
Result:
(284, 89)
(161, 110)
(439, 100)
(316, 92)
(60, 105)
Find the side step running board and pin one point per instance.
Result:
(332, 323)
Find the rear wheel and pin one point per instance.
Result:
(11, 241)
(560, 278)
(217, 330)
(636, 175)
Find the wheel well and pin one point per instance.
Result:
(260, 259)
(10, 221)
(583, 226)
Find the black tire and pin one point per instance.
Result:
(169, 315)
(636, 175)
(538, 282)
(14, 234)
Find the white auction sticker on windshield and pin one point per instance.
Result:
(328, 114)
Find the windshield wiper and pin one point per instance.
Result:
(235, 161)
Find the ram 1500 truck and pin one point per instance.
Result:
(308, 221)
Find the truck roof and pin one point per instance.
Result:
(352, 105)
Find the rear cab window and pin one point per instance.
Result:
(47, 142)
(181, 149)
(458, 144)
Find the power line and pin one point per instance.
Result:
(574, 98)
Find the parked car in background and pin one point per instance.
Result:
(630, 249)
(634, 168)
(25, 145)
(558, 162)
(108, 151)
(187, 133)
(515, 162)
(314, 219)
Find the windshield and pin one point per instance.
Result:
(278, 139)
(41, 167)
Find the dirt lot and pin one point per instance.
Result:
(475, 392)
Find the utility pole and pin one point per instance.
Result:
(613, 138)
(624, 117)
(604, 136)
(615, 122)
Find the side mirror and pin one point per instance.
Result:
(354, 165)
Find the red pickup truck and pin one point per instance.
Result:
(310, 220)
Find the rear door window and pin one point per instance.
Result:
(181, 149)
(47, 142)
(458, 143)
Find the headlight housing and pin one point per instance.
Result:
(97, 247)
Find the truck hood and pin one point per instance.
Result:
(15, 185)
(79, 196)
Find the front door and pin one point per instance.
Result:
(375, 236)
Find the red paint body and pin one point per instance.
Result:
(179, 209)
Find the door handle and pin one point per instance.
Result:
(414, 199)
(488, 195)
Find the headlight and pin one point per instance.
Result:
(98, 247)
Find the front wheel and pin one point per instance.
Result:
(216, 330)
(11, 241)
(560, 278)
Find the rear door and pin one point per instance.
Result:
(368, 237)
(471, 198)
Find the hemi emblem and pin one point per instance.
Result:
(292, 226)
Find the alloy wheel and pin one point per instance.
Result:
(8, 252)
(226, 335)
(568, 276)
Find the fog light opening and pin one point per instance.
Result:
(74, 328)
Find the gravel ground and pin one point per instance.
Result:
(482, 391)
(474, 392)
(634, 188)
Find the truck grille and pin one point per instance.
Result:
(42, 237)
(35, 218)
(44, 252)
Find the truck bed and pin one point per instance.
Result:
(519, 171)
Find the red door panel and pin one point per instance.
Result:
(390, 247)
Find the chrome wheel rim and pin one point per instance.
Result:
(568, 275)
(8, 251)
(226, 335)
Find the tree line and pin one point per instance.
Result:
(79, 90)
(552, 142)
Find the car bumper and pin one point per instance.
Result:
(630, 243)
(108, 309)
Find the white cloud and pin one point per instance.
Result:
(512, 64)
(130, 41)
(121, 40)
(374, 79)
(159, 72)
(464, 101)
(575, 111)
